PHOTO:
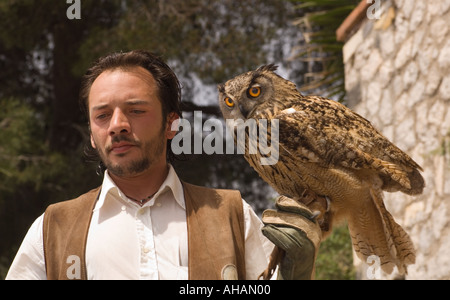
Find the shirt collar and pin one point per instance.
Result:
(171, 183)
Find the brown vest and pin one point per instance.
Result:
(215, 225)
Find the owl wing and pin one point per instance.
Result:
(323, 131)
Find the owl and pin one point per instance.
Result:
(328, 151)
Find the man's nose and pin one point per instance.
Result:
(119, 123)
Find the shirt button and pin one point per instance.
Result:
(146, 250)
(123, 207)
(158, 204)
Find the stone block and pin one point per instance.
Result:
(444, 58)
(444, 90)
(410, 75)
(404, 54)
(417, 15)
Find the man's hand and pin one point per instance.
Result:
(295, 232)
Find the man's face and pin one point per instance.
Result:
(126, 121)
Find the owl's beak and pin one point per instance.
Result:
(244, 111)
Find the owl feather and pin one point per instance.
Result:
(327, 149)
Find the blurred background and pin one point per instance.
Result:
(47, 45)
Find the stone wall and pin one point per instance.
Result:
(397, 72)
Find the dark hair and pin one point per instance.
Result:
(169, 89)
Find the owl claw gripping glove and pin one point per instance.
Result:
(296, 234)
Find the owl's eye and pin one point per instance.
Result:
(229, 102)
(254, 91)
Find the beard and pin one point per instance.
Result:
(151, 151)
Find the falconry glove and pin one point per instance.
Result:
(296, 234)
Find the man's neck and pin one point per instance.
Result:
(142, 185)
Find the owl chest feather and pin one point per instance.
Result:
(291, 177)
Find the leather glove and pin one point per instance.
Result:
(295, 232)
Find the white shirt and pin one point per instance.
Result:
(127, 241)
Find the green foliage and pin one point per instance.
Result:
(322, 50)
(335, 259)
(23, 156)
(26, 160)
(32, 176)
(214, 39)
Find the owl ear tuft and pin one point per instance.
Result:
(269, 67)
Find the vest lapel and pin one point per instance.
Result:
(215, 226)
(200, 260)
(66, 226)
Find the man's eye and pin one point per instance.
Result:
(101, 116)
(137, 111)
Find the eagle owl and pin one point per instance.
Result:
(328, 150)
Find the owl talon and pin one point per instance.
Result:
(316, 214)
(328, 204)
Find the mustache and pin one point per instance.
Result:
(122, 138)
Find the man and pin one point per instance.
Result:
(143, 222)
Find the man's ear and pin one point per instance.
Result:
(92, 142)
(172, 125)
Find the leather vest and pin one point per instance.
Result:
(215, 225)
